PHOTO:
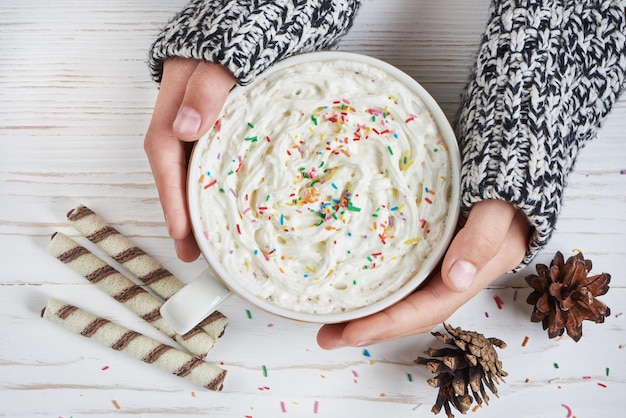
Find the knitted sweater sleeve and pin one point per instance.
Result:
(247, 36)
(546, 76)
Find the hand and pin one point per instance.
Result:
(492, 242)
(190, 99)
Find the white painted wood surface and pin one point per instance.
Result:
(75, 100)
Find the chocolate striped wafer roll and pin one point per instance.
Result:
(125, 291)
(138, 262)
(135, 344)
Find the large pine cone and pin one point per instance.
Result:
(472, 361)
(564, 296)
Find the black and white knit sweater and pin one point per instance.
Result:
(546, 75)
(247, 36)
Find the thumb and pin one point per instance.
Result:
(205, 95)
(477, 243)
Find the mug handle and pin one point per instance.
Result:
(194, 302)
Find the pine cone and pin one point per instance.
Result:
(564, 296)
(472, 362)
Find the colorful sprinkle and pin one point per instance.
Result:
(366, 353)
(210, 184)
(316, 407)
(526, 340)
(607, 371)
(499, 301)
(283, 407)
(556, 365)
(569, 410)
(250, 125)
(117, 404)
(601, 385)
(264, 370)
(249, 313)
(409, 376)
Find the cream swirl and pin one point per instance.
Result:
(324, 186)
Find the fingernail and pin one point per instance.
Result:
(187, 121)
(462, 274)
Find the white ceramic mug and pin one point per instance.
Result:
(202, 296)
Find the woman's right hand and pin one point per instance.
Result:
(190, 99)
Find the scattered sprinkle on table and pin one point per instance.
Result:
(556, 365)
(117, 404)
(408, 375)
(249, 313)
(105, 368)
(264, 370)
(366, 353)
(601, 385)
(316, 407)
(526, 339)
(499, 301)
(569, 410)
(283, 407)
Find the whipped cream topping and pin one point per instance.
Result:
(323, 186)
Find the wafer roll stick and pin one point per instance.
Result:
(125, 291)
(138, 262)
(135, 344)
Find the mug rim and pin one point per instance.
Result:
(429, 264)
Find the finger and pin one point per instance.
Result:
(426, 308)
(167, 155)
(476, 243)
(418, 313)
(204, 98)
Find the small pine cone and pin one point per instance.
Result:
(564, 295)
(471, 361)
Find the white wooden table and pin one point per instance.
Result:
(75, 101)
